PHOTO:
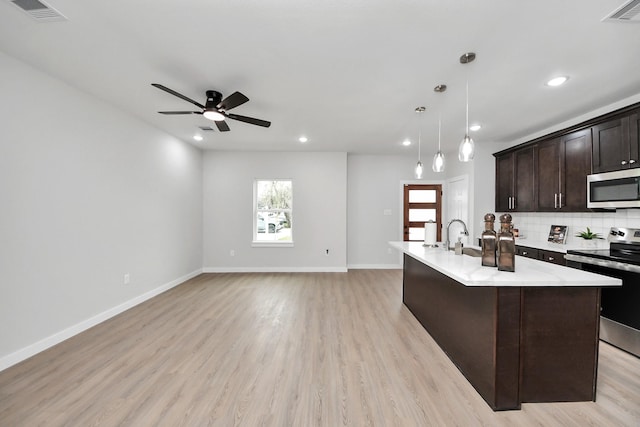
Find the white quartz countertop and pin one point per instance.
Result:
(529, 272)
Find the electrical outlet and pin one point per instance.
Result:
(232, 252)
(127, 279)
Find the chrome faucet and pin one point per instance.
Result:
(465, 232)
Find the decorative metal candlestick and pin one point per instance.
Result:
(506, 245)
(489, 238)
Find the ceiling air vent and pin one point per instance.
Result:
(39, 10)
(628, 12)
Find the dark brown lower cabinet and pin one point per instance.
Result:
(541, 254)
(513, 344)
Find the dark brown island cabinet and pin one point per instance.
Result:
(513, 343)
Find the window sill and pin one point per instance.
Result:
(262, 244)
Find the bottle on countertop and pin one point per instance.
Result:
(458, 246)
(489, 237)
(506, 245)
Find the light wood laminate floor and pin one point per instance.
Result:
(279, 349)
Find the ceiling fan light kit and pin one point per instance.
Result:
(213, 115)
(215, 108)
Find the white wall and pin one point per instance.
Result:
(319, 211)
(375, 186)
(484, 191)
(88, 194)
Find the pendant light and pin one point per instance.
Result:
(438, 159)
(466, 149)
(419, 168)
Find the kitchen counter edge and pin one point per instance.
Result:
(468, 270)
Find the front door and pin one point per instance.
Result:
(422, 202)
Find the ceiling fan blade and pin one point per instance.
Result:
(222, 126)
(232, 101)
(179, 95)
(250, 120)
(180, 112)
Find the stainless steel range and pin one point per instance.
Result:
(620, 307)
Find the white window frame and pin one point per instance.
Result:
(270, 243)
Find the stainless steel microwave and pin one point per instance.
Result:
(611, 190)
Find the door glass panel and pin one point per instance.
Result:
(422, 196)
(422, 215)
(416, 233)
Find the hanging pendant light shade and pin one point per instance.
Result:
(419, 168)
(466, 149)
(438, 158)
(438, 162)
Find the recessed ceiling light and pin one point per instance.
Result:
(557, 81)
(474, 128)
(303, 139)
(406, 143)
(198, 137)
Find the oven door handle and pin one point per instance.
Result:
(615, 265)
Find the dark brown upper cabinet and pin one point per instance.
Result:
(575, 165)
(562, 166)
(515, 181)
(616, 143)
(549, 174)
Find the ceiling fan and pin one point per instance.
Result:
(215, 108)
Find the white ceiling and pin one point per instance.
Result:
(348, 74)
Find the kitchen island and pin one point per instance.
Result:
(524, 336)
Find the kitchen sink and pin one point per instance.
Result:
(472, 252)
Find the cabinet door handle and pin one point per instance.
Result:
(514, 203)
(524, 252)
(555, 200)
(560, 201)
(632, 161)
(551, 258)
(624, 162)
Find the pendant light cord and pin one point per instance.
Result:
(419, 135)
(439, 126)
(467, 131)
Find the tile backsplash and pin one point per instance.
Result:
(536, 225)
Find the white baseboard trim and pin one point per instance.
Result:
(50, 341)
(274, 270)
(375, 266)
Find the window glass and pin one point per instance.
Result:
(273, 211)
(422, 196)
(422, 215)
